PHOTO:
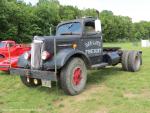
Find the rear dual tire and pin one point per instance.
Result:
(124, 60)
(131, 61)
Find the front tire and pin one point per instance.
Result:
(30, 82)
(73, 76)
(1, 56)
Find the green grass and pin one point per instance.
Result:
(108, 90)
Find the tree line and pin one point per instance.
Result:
(20, 21)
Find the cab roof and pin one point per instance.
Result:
(6, 41)
(81, 20)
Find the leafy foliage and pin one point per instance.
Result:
(20, 21)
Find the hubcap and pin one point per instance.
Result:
(77, 76)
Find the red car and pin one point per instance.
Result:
(9, 53)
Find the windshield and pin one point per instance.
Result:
(73, 28)
(2, 44)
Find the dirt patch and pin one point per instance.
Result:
(67, 104)
(88, 91)
(144, 94)
(1, 103)
(102, 110)
(130, 95)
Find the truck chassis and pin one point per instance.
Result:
(67, 56)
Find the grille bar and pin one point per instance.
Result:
(36, 54)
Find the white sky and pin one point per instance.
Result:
(136, 9)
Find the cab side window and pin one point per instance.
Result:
(89, 27)
(11, 44)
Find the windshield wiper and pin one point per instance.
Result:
(70, 26)
(70, 33)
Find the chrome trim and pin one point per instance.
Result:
(64, 45)
(36, 50)
(37, 41)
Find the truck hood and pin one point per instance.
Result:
(4, 63)
(49, 41)
(45, 38)
(3, 49)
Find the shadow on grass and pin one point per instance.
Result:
(99, 76)
(3, 73)
(94, 77)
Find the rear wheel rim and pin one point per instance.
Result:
(77, 76)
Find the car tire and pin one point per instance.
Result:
(134, 61)
(30, 82)
(73, 76)
(1, 56)
(124, 60)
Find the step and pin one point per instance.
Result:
(100, 65)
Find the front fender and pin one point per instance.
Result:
(4, 54)
(63, 56)
(22, 62)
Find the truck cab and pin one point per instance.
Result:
(89, 41)
(5, 44)
(72, 37)
(82, 33)
(9, 46)
(9, 54)
(4, 47)
(65, 57)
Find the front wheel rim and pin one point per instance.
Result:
(77, 76)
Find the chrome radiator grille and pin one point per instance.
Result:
(36, 54)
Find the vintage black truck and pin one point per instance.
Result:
(65, 57)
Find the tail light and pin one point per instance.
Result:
(27, 55)
(46, 55)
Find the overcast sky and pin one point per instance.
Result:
(136, 9)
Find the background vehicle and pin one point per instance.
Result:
(9, 54)
(77, 46)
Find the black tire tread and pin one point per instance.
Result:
(63, 77)
(131, 60)
(124, 60)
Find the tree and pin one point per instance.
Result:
(69, 12)
(142, 30)
(20, 21)
(47, 13)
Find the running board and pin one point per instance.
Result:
(100, 65)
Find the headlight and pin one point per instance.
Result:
(45, 55)
(27, 55)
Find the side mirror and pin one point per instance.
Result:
(98, 27)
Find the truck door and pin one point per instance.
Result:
(92, 42)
